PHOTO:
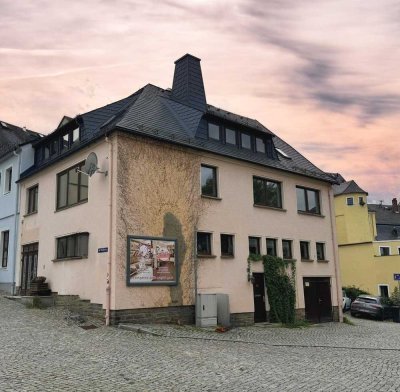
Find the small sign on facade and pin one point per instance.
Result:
(102, 250)
(396, 276)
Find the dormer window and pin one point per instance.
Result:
(230, 136)
(75, 136)
(64, 142)
(260, 145)
(214, 131)
(245, 141)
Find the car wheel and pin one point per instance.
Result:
(354, 314)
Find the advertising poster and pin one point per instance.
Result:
(151, 260)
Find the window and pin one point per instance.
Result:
(5, 237)
(75, 136)
(226, 245)
(214, 131)
(349, 201)
(361, 201)
(204, 244)
(308, 200)
(72, 187)
(260, 145)
(8, 180)
(320, 250)
(384, 250)
(71, 246)
(53, 147)
(287, 249)
(230, 136)
(209, 181)
(32, 199)
(254, 246)
(271, 247)
(384, 290)
(305, 250)
(245, 141)
(64, 142)
(267, 192)
(46, 152)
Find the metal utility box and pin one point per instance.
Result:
(223, 313)
(206, 310)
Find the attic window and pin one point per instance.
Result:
(280, 152)
(4, 125)
(260, 145)
(213, 131)
(245, 140)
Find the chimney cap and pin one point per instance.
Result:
(187, 55)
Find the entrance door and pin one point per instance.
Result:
(29, 266)
(317, 297)
(260, 314)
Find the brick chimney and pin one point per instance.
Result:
(188, 86)
(395, 207)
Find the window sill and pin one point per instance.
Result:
(290, 259)
(227, 256)
(310, 214)
(70, 258)
(206, 256)
(307, 260)
(72, 205)
(30, 213)
(211, 197)
(323, 261)
(269, 208)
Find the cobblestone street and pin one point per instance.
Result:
(40, 351)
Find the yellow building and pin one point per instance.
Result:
(369, 240)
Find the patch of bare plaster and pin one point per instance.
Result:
(158, 195)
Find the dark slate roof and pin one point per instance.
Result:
(387, 232)
(347, 187)
(11, 136)
(384, 214)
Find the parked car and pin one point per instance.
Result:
(346, 301)
(368, 305)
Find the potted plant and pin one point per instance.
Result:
(395, 303)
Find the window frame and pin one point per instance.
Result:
(308, 250)
(80, 174)
(265, 183)
(28, 199)
(350, 201)
(384, 247)
(8, 173)
(75, 238)
(227, 254)
(5, 247)
(219, 131)
(215, 184)
(236, 136)
(241, 133)
(258, 239)
(208, 252)
(275, 246)
(323, 251)
(379, 290)
(290, 242)
(318, 200)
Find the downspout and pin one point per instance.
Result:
(336, 256)
(195, 267)
(110, 198)
(18, 154)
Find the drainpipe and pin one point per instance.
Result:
(17, 153)
(195, 268)
(110, 198)
(335, 255)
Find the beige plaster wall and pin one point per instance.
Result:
(235, 214)
(84, 277)
(158, 196)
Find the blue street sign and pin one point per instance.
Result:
(105, 250)
(396, 276)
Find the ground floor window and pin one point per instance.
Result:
(75, 245)
(271, 247)
(204, 244)
(305, 250)
(384, 250)
(5, 237)
(384, 290)
(287, 249)
(254, 246)
(227, 245)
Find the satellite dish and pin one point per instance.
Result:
(90, 166)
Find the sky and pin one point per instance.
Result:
(324, 75)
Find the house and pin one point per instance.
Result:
(368, 238)
(152, 199)
(16, 155)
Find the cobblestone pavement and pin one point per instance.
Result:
(41, 351)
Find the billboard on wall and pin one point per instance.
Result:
(151, 261)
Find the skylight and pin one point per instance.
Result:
(4, 125)
(282, 153)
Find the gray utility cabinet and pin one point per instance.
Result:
(223, 313)
(206, 310)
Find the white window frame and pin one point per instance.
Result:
(398, 250)
(10, 168)
(352, 201)
(381, 247)
(379, 289)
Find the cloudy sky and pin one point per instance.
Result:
(323, 75)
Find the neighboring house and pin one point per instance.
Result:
(16, 155)
(369, 240)
(180, 193)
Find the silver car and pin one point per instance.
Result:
(368, 305)
(346, 301)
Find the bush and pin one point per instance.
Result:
(395, 297)
(353, 292)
